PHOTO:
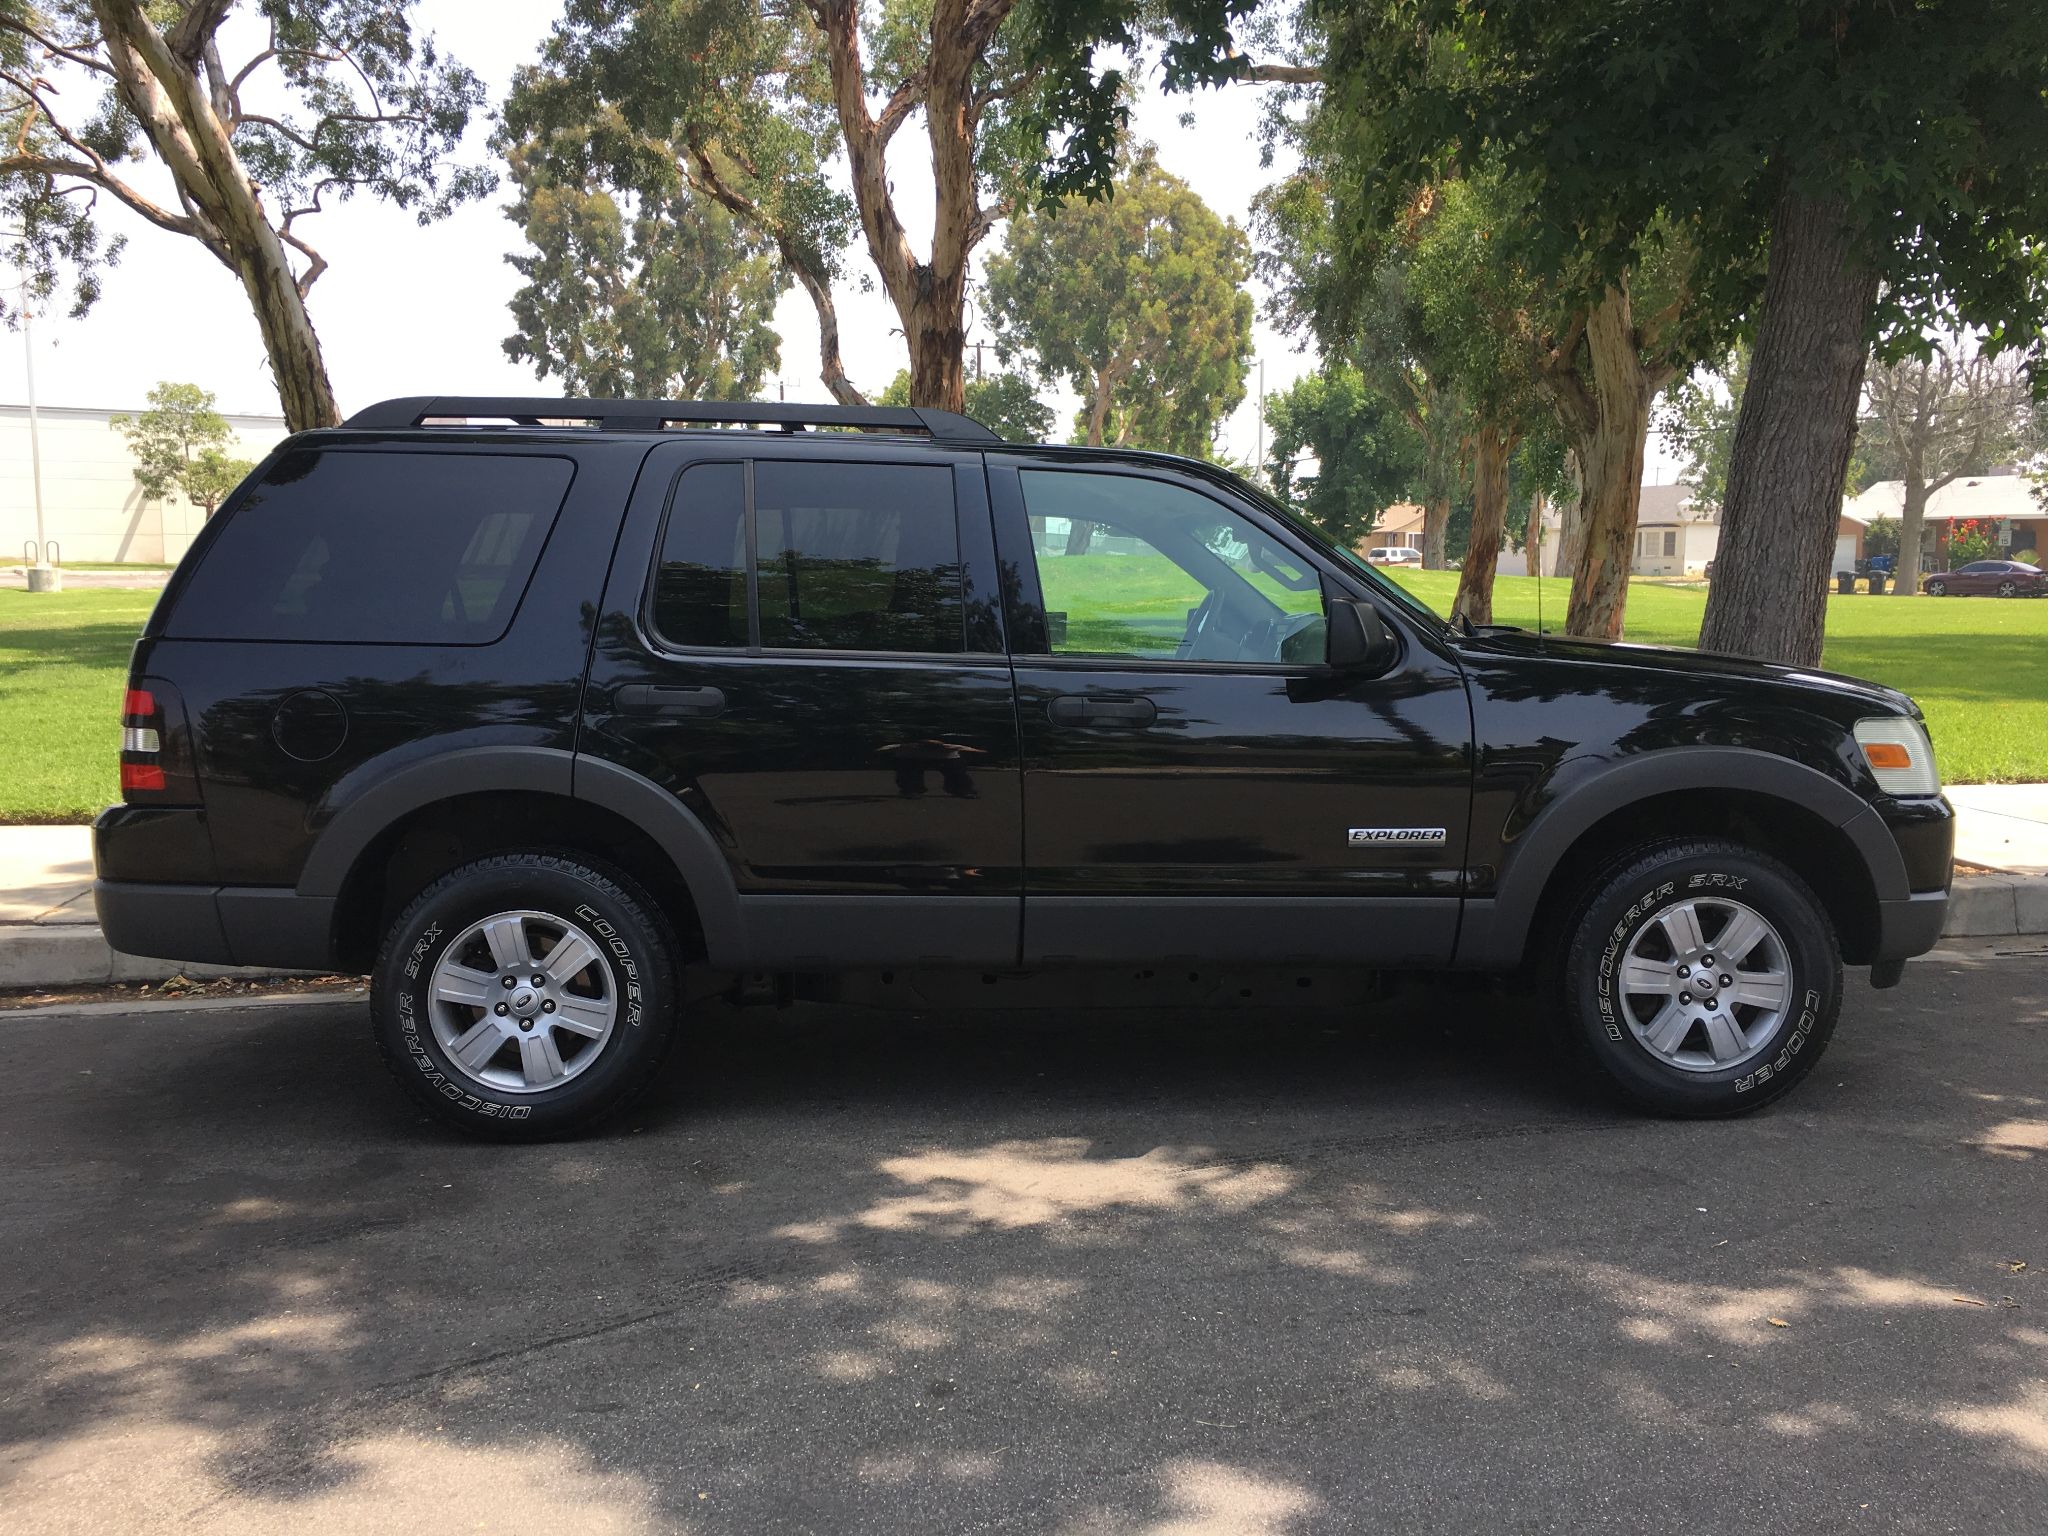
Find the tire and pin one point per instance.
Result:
(2008, 589)
(1937, 589)
(1664, 1051)
(580, 1045)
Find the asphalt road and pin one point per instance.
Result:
(1253, 1271)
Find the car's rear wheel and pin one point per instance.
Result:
(1702, 978)
(2008, 589)
(1937, 588)
(525, 995)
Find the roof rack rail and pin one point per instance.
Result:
(654, 415)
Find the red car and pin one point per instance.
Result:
(2007, 578)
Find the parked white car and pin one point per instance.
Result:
(1393, 554)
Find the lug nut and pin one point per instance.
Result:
(500, 1008)
(1727, 981)
(1706, 959)
(1683, 997)
(548, 1006)
(540, 981)
(511, 981)
(526, 1023)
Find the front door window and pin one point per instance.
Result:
(1141, 569)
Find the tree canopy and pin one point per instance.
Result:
(1839, 172)
(331, 100)
(1137, 301)
(1367, 455)
(1003, 402)
(645, 298)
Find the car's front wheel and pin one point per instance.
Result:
(1937, 588)
(525, 995)
(1702, 978)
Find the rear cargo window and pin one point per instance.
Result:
(404, 548)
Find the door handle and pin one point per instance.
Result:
(657, 699)
(1098, 709)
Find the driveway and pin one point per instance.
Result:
(1079, 1272)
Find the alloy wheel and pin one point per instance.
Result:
(1705, 983)
(522, 1001)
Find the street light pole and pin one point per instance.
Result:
(35, 436)
(42, 576)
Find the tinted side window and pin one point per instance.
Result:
(410, 548)
(858, 557)
(700, 590)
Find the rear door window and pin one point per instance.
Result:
(845, 557)
(401, 548)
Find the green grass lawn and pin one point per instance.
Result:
(63, 663)
(1978, 666)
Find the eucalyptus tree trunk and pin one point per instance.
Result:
(1793, 438)
(1608, 425)
(178, 117)
(1436, 527)
(1491, 447)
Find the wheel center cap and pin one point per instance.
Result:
(1703, 983)
(526, 1002)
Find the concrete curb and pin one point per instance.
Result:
(74, 955)
(1993, 906)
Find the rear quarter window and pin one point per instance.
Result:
(393, 547)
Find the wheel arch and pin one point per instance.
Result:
(1827, 833)
(423, 820)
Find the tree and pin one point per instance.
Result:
(179, 446)
(1946, 413)
(1136, 300)
(1413, 101)
(210, 478)
(1367, 454)
(1003, 402)
(1881, 536)
(341, 97)
(674, 302)
(748, 101)
(1698, 419)
(1888, 162)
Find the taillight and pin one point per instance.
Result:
(155, 757)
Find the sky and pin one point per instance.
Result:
(405, 310)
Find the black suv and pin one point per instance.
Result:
(535, 708)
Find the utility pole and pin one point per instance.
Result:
(1259, 461)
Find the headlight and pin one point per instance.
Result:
(1900, 756)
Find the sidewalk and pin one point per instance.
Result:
(50, 937)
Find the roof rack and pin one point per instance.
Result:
(654, 415)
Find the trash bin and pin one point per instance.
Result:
(1877, 583)
(1845, 582)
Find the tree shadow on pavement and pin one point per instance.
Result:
(1262, 1271)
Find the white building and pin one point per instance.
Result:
(1674, 537)
(92, 508)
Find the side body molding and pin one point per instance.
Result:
(538, 770)
(1495, 929)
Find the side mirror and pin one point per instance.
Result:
(1360, 642)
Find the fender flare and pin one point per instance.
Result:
(1495, 929)
(689, 846)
